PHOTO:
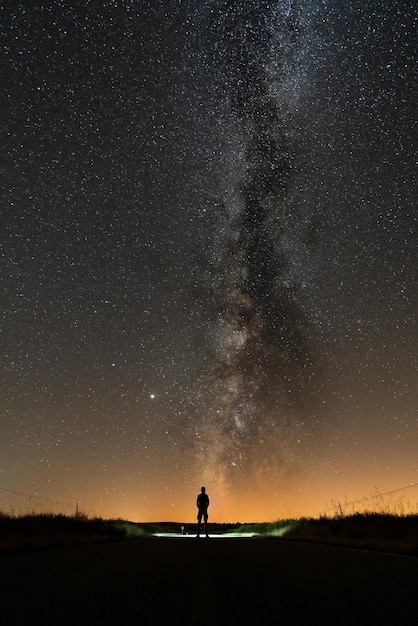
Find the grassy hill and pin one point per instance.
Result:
(373, 531)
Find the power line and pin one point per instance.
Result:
(376, 495)
(32, 496)
(396, 490)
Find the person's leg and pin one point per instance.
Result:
(199, 520)
(206, 524)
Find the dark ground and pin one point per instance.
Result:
(186, 581)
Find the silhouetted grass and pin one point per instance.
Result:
(33, 532)
(270, 529)
(372, 531)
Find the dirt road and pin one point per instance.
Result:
(216, 582)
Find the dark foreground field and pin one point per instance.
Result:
(216, 581)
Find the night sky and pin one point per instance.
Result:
(208, 255)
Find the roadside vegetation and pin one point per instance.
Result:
(40, 531)
(371, 531)
(268, 529)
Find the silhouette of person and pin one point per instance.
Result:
(202, 504)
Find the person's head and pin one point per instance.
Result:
(203, 489)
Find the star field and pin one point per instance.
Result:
(208, 255)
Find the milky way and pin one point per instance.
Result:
(260, 378)
(208, 255)
(270, 369)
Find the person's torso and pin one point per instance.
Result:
(202, 500)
